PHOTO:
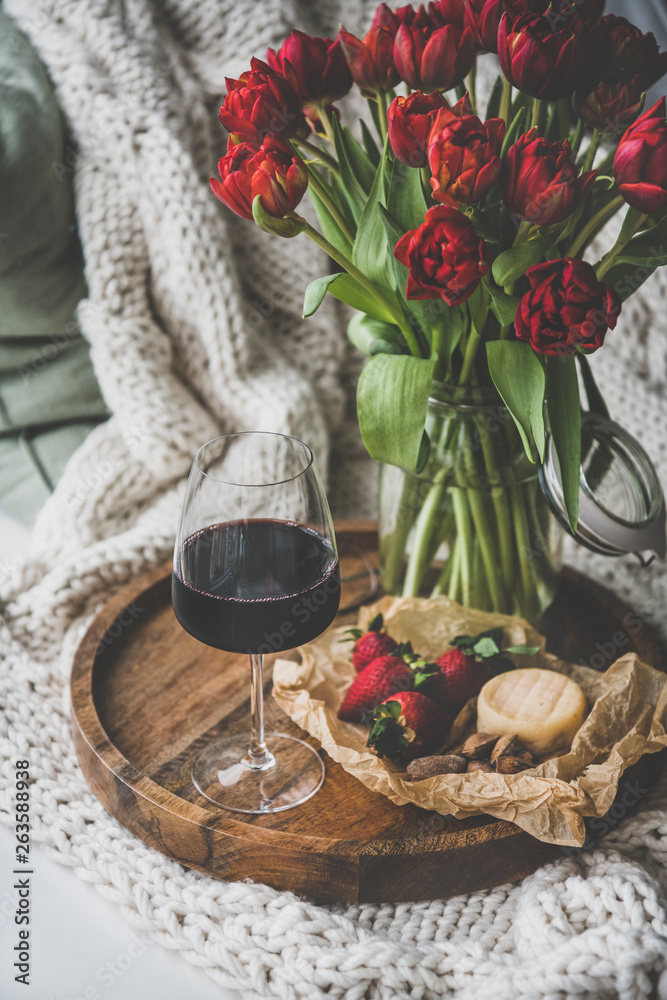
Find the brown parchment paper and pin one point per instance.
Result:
(627, 718)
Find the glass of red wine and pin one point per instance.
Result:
(256, 571)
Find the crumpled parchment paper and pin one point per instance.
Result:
(627, 718)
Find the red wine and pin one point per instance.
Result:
(256, 586)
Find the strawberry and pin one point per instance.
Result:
(382, 678)
(370, 644)
(462, 672)
(458, 678)
(405, 726)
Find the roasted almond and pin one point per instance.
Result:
(478, 765)
(426, 767)
(505, 744)
(479, 746)
(507, 764)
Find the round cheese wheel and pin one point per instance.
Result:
(544, 708)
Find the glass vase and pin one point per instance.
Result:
(474, 525)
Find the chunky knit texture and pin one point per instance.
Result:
(193, 317)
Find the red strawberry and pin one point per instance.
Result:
(382, 678)
(407, 725)
(459, 678)
(370, 644)
(462, 672)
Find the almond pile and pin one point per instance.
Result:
(480, 752)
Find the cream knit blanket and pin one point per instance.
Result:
(193, 317)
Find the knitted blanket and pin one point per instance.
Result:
(193, 318)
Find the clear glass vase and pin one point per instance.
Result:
(474, 525)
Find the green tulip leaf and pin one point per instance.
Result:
(371, 253)
(513, 263)
(372, 336)
(348, 185)
(564, 409)
(358, 159)
(370, 145)
(503, 305)
(405, 196)
(344, 287)
(519, 377)
(287, 227)
(392, 398)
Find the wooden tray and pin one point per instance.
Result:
(146, 697)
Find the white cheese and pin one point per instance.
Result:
(544, 708)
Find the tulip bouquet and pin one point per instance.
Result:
(460, 240)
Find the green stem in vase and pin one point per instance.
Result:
(464, 540)
(427, 522)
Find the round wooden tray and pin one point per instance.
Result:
(146, 697)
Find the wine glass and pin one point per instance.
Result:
(256, 571)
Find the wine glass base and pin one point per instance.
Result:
(223, 775)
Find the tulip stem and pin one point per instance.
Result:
(592, 150)
(326, 124)
(609, 258)
(538, 107)
(318, 154)
(593, 225)
(372, 289)
(577, 137)
(382, 113)
(506, 101)
(330, 205)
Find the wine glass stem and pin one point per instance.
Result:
(258, 756)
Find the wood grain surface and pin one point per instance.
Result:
(146, 697)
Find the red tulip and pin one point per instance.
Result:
(463, 156)
(539, 180)
(640, 164)
(445, 257)
(272, 171)
(260, 102)
(624, 47)
(409, 123)
(371, 60)
(315, 67)
(437, 49)
(539, 61)
(624, 64)
(567, 308)
(612, 104)
(385, 17)
(484, 17)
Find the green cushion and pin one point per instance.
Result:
(49, 397)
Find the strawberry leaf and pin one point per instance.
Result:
(522, 650)
(375, 625)
(486, 647)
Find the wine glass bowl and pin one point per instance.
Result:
(256, 571)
